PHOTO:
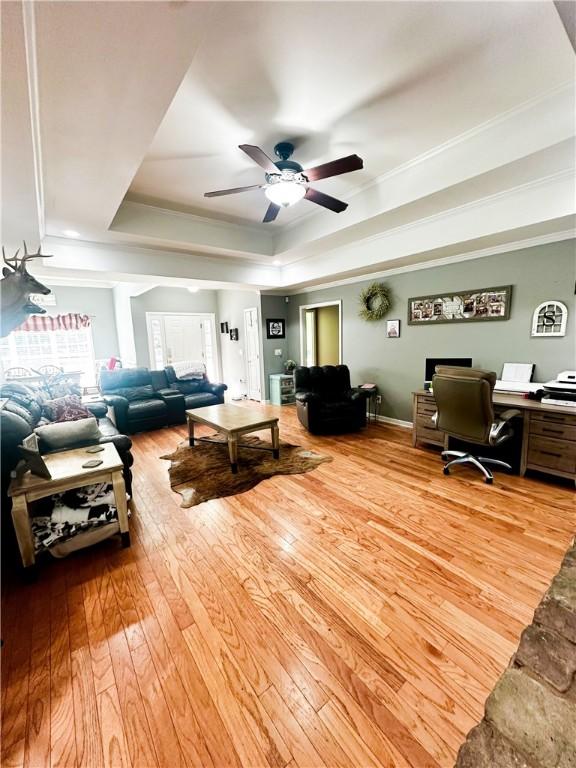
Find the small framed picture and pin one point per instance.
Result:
(233, 334)
(276, 328)
(392, 329)
(223, 327)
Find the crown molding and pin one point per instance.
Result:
(447, 214)
(566, 87)
(516, 245)
(147, 250)
(30, 48)
(194, 218)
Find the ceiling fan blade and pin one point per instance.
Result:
(259, 156)
(233, 191)
(335, 168)
(325, 200)
(271, 213)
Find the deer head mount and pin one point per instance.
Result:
(15, 288)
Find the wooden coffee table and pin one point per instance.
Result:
(67, 473)
(234, 421)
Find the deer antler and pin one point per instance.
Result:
(13, 261)
(19, 265)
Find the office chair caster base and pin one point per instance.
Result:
(495, 463)
(459, 457)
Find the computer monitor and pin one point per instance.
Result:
(432, 362)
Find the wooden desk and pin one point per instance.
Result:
(548, 438)
(67, 473)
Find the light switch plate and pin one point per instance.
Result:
(278, 352)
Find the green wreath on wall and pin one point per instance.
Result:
(375, 301)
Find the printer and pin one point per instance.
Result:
(562, 390)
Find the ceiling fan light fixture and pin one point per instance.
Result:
(285, 193)
(285, 188)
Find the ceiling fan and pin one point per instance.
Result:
(287, 182)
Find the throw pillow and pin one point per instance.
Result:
(67, 434)
(68, 408)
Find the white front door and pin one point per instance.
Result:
(252, 331)
(184, 338)
(174, 338)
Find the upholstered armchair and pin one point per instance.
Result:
(325, 401)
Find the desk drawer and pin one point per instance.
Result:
(553, 429)
(554, 418)
(426, 407)
(425, 421)
(552, 454)
(429, 435)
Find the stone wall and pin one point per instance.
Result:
(530, 716)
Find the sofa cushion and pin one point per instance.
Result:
(66, 434)
(67, 408)
(112, 381)
(146, 409)
(143, 392)
(189, 387)
(200, 399)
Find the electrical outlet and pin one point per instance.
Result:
(379, 399)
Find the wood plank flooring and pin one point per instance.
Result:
(356, 616)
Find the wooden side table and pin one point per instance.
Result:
(67, 473)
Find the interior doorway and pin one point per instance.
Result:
(177, 337)
(321, 333)
(252, 352)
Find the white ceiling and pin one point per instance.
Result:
(123, 114)
(387, 82)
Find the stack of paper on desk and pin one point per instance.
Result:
(517, 387)
(516, 378)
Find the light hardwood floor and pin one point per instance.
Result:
(355, 616)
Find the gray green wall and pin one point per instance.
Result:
(397, 365)
(96, 302)
(273, 307)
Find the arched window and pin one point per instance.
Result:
(549, 319)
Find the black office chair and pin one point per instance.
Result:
(465, 411)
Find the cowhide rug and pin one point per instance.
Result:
(202, 473)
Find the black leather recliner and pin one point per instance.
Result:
(325, 401)
(137, 405)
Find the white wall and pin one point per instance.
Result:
(123, 313)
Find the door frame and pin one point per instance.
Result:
(316, 305)
(260, 352)
(209, 316)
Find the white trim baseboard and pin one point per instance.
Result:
(394, 422)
